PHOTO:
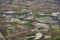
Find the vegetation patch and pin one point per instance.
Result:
(54, 38)
(57, 30)
(14, 23)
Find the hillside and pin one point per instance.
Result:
(35, 5)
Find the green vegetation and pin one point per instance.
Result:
(14, 9)
(9, 1)
(55, 38)
(20, 16)
(11, 29)
(28, 23)
(14, 23)
(30, 38)
(57, 30)
(37, 13)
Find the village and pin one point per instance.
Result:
(29, 24)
